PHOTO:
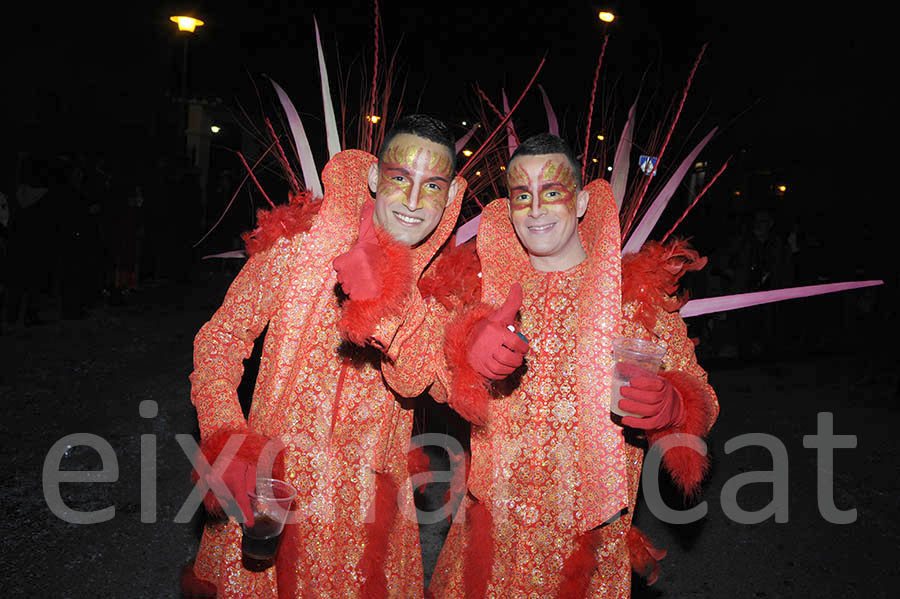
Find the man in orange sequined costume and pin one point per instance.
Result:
(320, 401)
(553, 480)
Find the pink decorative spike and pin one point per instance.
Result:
(697, 199)
(587, 135)
(723, 303)
(622, 160)
(235, 194)
(477, 154)
(467, 231)
(512, 138)
(331, 130)
(371, 125)
(645, 227)
(304, 152)
(255, 180)
(232, 254)
(552, 123)
(462, 141)
(662, 150)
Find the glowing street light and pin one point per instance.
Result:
(373, 118)
(215, 128)
(594, 160)
(467, 153)
(600, 137)
(186, 23)
(609, 168)
(782, 188)
(606, 17)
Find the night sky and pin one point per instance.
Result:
(800, 88)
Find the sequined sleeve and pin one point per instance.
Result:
(671, 332)
(223, 343)
(420, 357)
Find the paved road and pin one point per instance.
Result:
(91, 376)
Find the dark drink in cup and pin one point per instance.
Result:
(271, 503)
(261, 540)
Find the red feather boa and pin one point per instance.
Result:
(378, 528)
(360, 318)
(459, 466)
(418, 462)
(579, 567)
(281, 221)
(479, 559)
(470, 392)
(453, 280)
(286, 561)
(650, 277)
(644, 556)
(251, 450)
(687, 465)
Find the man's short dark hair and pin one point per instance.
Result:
(547, 143)
(427, 127)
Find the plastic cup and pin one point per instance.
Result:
(637, 352)
(271, 504)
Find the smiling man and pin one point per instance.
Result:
(321, 402)
(545, 203)
(553, 480)
(411, 182)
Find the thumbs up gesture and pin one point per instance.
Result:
(495, 351)
(357, 269)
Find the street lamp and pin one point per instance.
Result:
(606, 16)
(186, 23)
(189, 25)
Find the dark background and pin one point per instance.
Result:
(799, 88)
(799, 93)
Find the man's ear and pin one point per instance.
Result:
(509, 209)
(453, 189)
(373, 177)
(581, 202)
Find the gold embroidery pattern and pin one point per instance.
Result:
(304, 386)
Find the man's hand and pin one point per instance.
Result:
(238, 478)
(495, 351)
(357, 270)
(653, 398)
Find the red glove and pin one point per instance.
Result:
(357, 268)
(657, 403)
(237, 478)
(495, 351)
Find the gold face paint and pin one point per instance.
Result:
(405, 167)
(555, 186)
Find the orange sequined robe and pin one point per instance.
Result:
(330, 407)
(534, 465)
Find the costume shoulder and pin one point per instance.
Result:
(287, 220)
(346, 173)
(454, 278)
(345, 180)
(650, 278)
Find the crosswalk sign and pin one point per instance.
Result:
(648, 164)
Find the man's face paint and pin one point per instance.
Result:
(544, 207)
(554, 185)
(412, 186)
